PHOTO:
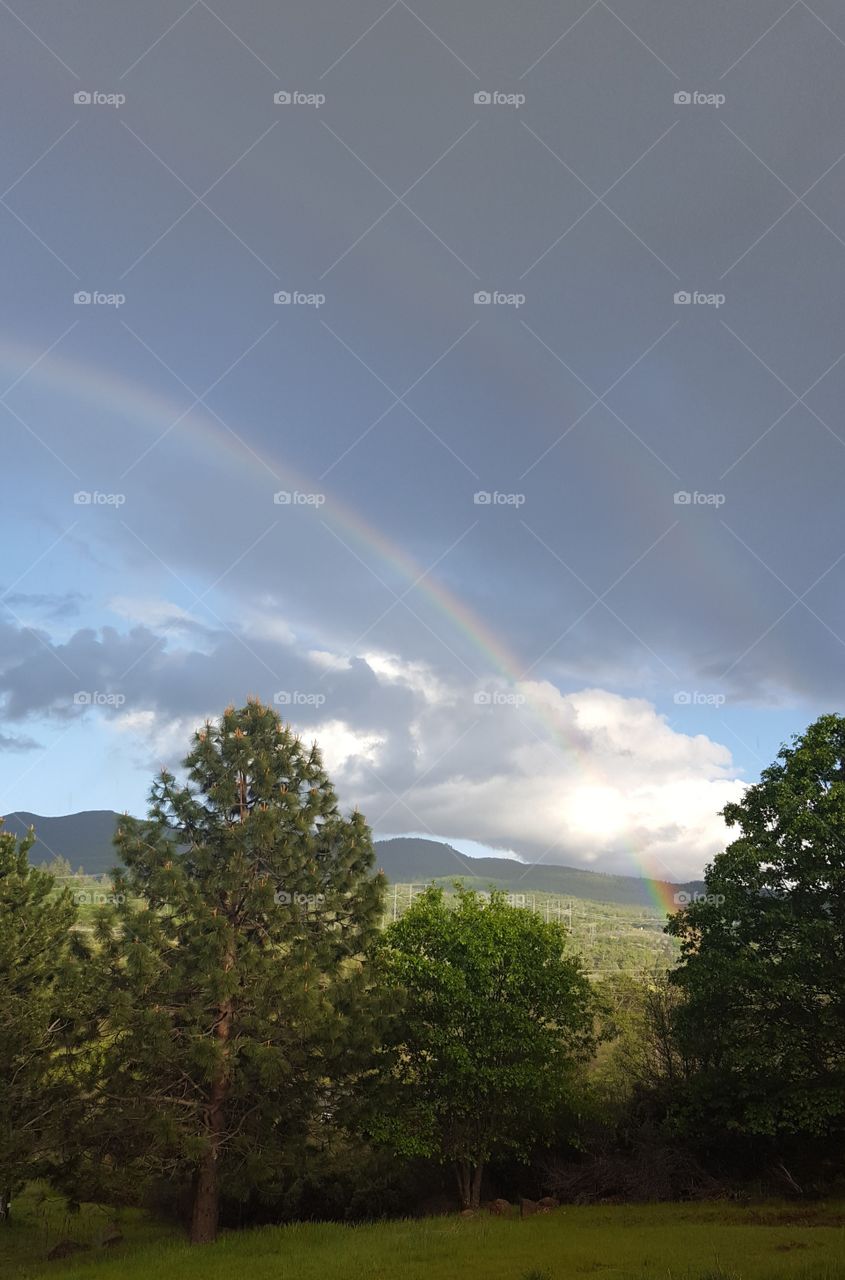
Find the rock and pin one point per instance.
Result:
(65, 1249)
(500, 1208)
(527, 1208)
(112, 1236)
(549, 1202)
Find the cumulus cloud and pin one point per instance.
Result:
(588, 777)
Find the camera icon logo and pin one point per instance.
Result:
(682, 898)
(482, 98)
(281, 898)
(82, 298)
(482, 498)
(282, 698)
(82, 699)
(482, 698)
(82, 498)
(682, 698)
(282, 98)
(482, 298)
(682, 498)
(682, 298)
(82, 98)
(683, 98)
(282, 298)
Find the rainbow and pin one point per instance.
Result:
(154, 414)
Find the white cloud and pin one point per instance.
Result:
(150, 612)
(588, 777)
(164, 740)
(327, 661)
(417, 676)
(342, 747)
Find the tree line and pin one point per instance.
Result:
(238, 1031)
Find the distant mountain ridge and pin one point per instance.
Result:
(410, 859)
(85, 839)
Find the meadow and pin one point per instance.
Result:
(703, 1241)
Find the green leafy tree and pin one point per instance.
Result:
(42, 964)
(495, 1017)
(240, 998)
(763, 972)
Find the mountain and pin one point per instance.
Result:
(409, 859)
(85, 839)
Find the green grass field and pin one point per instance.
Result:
(713, 1241)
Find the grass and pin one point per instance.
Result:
(770, 1241)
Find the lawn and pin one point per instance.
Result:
(627, 1242)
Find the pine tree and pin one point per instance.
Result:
(240, 990)
(42, 972)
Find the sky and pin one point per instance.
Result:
(464, 379)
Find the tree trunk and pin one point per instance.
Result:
(469, 1183)
(462, 1175)
(6, 1206)
(477, 1174)
(206, 1207)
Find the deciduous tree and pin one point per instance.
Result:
(495, 1016)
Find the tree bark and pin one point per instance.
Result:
(462, 1175)
(469, 1183)
(475, 1191)
(206, 1206)
(6, 1206)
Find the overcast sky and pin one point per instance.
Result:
(466, 377)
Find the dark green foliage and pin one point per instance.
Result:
(43, 971)
(240, 998)
(495, 1017)
(763, 975)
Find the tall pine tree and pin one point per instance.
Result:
(241, 995)
(43, 969)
